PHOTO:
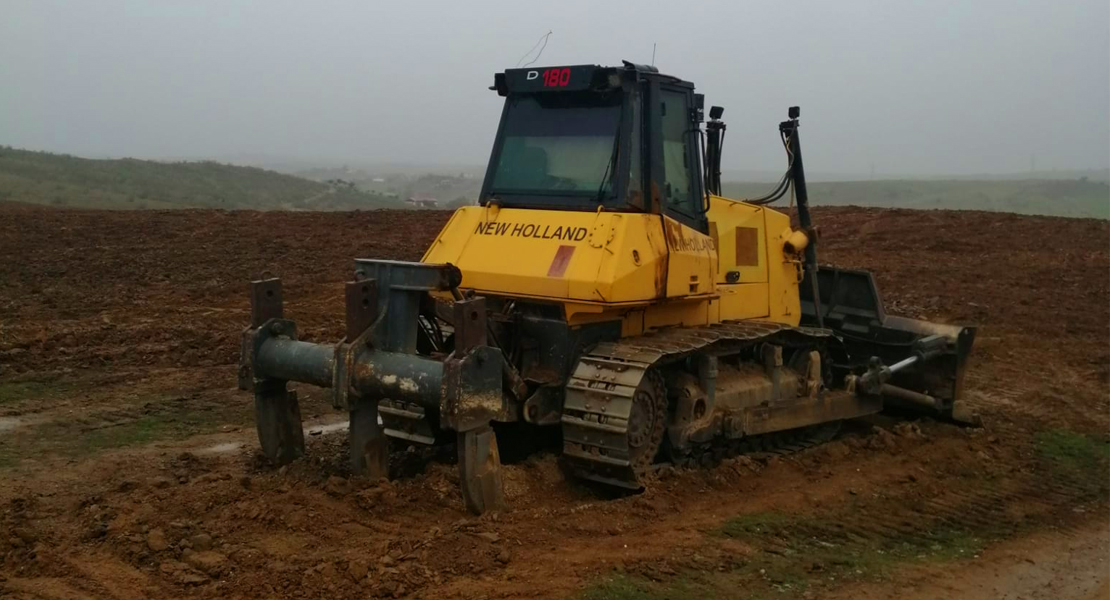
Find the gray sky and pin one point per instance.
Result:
(929, 87)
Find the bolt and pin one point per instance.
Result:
(277, 328)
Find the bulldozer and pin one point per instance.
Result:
(603, 287)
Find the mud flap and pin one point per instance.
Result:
(369, 446)
(278, 420)
(850, 305)
(480, 470)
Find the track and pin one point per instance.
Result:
(597, 411)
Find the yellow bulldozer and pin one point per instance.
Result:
(602, 286)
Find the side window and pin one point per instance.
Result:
(676, 156)
(635, 166)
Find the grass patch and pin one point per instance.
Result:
(754, 524)
(619, 587)
(17, 391)
(144, 430)
(85, 435)
(782, 555)
(1073, 453)
(121, 435)
(690, 586)
(793, 554)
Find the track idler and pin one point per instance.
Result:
(376, 370)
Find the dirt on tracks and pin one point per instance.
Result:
(129, 465)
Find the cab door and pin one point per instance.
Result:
(676, 161)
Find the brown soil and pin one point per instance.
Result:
(130, 471)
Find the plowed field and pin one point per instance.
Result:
(128, 464)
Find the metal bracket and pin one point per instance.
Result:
(470, 325)
(362, 310)
(266, 304)
(362, 306)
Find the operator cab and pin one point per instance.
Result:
(586, 137)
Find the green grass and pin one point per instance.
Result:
(793, 555)
(1079, 197)
(69, 181)
(619, 587)
(168, 424)
(16, 391)
(633, 587)
(132, 433)
(803, 536)
(754, 523)
(1073, 453)
(79, 436)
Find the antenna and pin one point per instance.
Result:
(653, 54)
(542, 40)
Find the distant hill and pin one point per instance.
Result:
(1081, 197)
(63, 180)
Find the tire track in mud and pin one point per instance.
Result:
(950, 519)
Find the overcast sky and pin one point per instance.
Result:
(929, 87)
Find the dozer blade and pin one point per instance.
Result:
(912, 364)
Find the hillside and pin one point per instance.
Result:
(63, 180)
(1081, 197)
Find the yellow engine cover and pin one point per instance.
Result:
(644, 269)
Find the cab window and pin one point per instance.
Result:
(676, 152)
(559, 145)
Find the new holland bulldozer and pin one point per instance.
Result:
(602, 286)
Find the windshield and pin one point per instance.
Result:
(559, 144)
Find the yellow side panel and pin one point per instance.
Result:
(632, 259)
(692, 263)
(667, 314)
(768, 290)
(741, 240)
(563, 255)
(785, 273)
(743, 301)
(513, 250)
(645, 270)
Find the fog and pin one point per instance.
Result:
(941, 87)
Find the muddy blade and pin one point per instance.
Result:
(850, 305)
(278, 420)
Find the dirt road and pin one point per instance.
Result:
(129, 470)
